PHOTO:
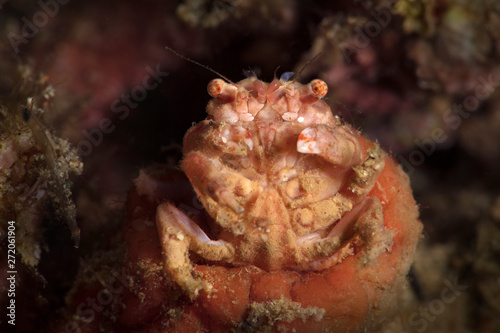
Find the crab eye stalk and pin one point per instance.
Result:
(215, 87)
(319, 88)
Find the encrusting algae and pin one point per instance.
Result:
(34, 167)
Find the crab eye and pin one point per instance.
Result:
(215, 87)
(319, 88)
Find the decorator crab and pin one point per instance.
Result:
(285, 182)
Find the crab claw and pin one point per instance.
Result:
(336, 145)
(207, 175)
(307, 143)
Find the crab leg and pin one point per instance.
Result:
(178, 235)
(366, 220)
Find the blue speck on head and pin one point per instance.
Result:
(286, 76)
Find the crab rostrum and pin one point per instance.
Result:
(284, 181)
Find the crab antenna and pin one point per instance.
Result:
(304, 67)
(197, 63)
(276, 72)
